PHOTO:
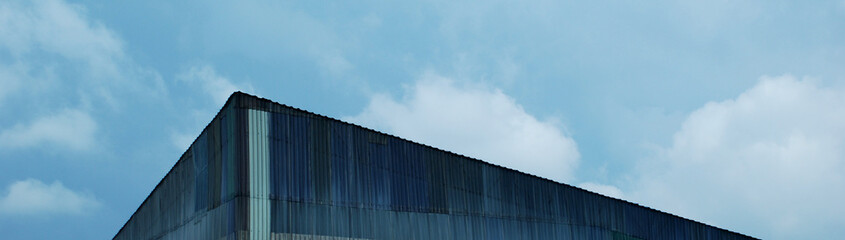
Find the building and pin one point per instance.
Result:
(262, 170)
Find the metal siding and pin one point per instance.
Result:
(187, 203)
(262, 170)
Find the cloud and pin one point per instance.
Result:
(477, 122)
(217, 87)
(71, 128)
(249, 27)
(602, 189)
(768, 163)
(51, 47)
(58, 27)
(33, 197)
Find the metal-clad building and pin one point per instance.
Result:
(262, 170)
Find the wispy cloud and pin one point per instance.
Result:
(767, 163)
(249, 27)
(70, 128)
(476, 121)
(214, 90)
(214, 85)
(57, 27)
(33, 197)
(52, 47)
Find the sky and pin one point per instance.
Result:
(731, 113)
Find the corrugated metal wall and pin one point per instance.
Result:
(200, 198)
(262, 170)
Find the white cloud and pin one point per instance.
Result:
(334, 63)
(477, 122)
(52, 48)
(217, 87)
(71, 128)
(58, 27)
(768, 163)
(33, 197)
(602, 189)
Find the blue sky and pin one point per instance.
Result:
(727, 112)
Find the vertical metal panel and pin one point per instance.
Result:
(259, 186)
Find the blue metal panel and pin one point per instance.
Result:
(200, 154)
